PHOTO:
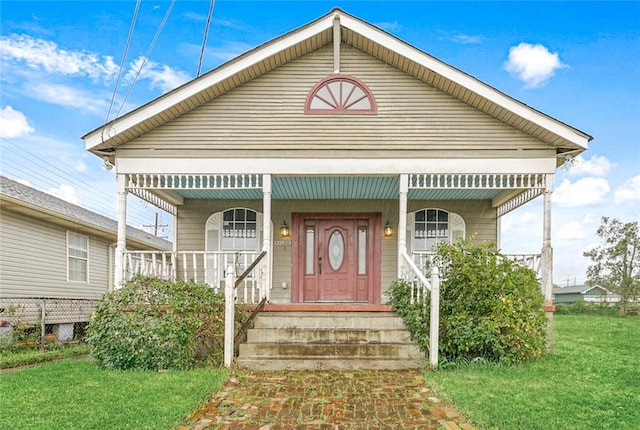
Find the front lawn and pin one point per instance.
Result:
(77, 394)
(591, 380)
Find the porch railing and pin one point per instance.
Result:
(208, 267)
(424, 260)
(421, 288)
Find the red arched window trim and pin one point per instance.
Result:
(340, 99)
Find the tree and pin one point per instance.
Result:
(616, 262)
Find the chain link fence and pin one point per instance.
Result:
(41, 321)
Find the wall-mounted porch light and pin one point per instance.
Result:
(284, 230)
(388, 230)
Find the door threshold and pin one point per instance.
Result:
(327, 307)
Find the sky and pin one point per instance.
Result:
(578, 62)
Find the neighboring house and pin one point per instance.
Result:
(575, 293)
(53, 249)
(340, 151)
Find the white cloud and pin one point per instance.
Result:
(518, 220)
(66, 192)
(571, 231)
(597, 165)
(13, 123)
(532, 64)
(389, 26)
(467, 39)
(44, 55)
(628, 193)
(64, 95)
(583, 192)
(24, 182)
(228, 50)
(161, 76)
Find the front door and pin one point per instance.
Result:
(336, 258)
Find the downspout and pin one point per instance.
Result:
(111, 249)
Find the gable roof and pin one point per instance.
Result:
(582, 289)
(28, 201)
(361, 35)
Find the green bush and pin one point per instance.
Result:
(152, 324)
(585, 308)
(490, 307)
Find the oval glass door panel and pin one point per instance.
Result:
(336, 250)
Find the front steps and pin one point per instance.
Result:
(329, 340)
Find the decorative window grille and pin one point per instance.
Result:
(340, 94)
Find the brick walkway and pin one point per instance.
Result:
(307, 400)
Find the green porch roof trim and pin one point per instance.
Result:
(452, 194)
(339, 188)
(253, 194)
(335, 187)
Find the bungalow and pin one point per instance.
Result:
(575, 293)
(337, 154)
(51, 249)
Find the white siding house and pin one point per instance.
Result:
(52, 249)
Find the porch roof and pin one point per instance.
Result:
(506, 191)
(338, 187)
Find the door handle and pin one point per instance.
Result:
(320, 265)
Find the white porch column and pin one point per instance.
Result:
(547, 259)
(121, 242)
(266, 229)
(402, 221)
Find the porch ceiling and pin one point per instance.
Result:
(339, 187)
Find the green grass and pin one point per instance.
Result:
(77, 394)
(591, 380)
(24, 357)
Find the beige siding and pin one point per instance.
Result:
(33, 261)
(479, 217)
(268, 113)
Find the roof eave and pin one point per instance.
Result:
(96, 141)
(96, 138)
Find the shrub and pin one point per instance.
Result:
(490, 307)
(586, 308)
(152, 324)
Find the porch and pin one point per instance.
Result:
(211, 267)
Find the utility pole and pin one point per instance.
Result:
(156, 225)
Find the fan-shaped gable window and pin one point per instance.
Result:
(340, 94)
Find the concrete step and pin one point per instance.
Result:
(329, 340)
(326, 335)
(327, 320)
(405, 351)
(323, 363)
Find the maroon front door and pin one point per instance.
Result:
(336, 258)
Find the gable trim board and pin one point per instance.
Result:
(563, 138)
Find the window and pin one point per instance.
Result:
(239, 230)
(235, 229)
(77, 257)
(432, 226)
(340, 95)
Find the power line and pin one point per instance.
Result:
(124, 58)
(206, 35)
(146, 57)
(20, 162)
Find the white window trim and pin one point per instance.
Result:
(217, 220)
(456, 223)
(86, 281)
